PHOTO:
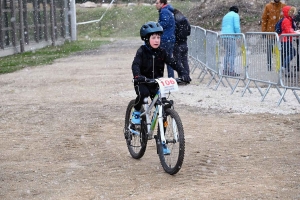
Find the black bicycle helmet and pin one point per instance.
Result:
(149, 28)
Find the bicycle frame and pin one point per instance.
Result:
(166, 85)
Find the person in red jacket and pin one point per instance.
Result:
(288, 27)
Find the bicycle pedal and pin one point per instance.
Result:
(134, 132)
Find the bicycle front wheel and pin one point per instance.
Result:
(135, 135)
(175, 142)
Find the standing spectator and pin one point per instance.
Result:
(182, 30)
(297, 21)
(167, 21)
(271, 15)
(230, 25)
(288, 27)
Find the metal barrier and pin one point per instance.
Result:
(212, 56)
(192, 45)
(290, 63)
(258, 58)
(263, 61)
(232, 59)
(200, 50)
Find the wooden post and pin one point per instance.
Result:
(45, 20)
(35, 19)
(66, 23)
(39, 20)
(6, 33)
(52, 22)
(13, 24)
(55, 20)
(1, 26)
(26, 29)
(22, 39)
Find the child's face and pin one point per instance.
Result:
(154, 40)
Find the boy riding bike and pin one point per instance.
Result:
(149, 62)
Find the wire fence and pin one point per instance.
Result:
(27, 25)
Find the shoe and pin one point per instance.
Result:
(225, 72)
(166, 150)
(233, 74)
(136, 117)
(288, 74)
(134, 130)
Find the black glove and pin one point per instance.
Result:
(140, 79)
(186, 78)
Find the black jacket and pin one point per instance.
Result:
(183, 28)
(146, 59)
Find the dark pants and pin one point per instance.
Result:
(181, 55)
(169, 46)
(298, 57)
(270, 43)
(288, 52)
(142, 91)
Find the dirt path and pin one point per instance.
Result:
(61, 138)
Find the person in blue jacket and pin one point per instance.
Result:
(167, 21)
(230, 24)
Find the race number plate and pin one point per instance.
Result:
(167, 85)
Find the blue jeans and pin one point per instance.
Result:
(229, 55)
(287, 54)
(169, 46)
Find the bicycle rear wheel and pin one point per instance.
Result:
(135, 135)
(175, 142)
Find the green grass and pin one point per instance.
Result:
(119, 21)
(46, 55)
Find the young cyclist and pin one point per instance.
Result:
(149, 62)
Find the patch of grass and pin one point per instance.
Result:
(46, 55)
(119, 21)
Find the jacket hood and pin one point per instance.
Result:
(288, 11)
(169, 7)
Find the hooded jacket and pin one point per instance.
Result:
(167, 21)
(183, 28)
(231, 23)
(271, 16)
(146, 60)
(287, 24)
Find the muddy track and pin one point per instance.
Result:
(61, 129)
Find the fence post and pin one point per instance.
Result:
(13, 25)
(73, 20)
(52, 22)
(22, 39)
(66, 20)
(35, 19)
(1, 27)
(25, 22)
(45, 20)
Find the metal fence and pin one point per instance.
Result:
(264, 59)
(30, 25)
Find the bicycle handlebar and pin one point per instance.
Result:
(151, 81)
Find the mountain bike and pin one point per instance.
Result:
(160, 113)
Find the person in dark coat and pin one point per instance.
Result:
(297, 21)
(167, 21)
(182, 31)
